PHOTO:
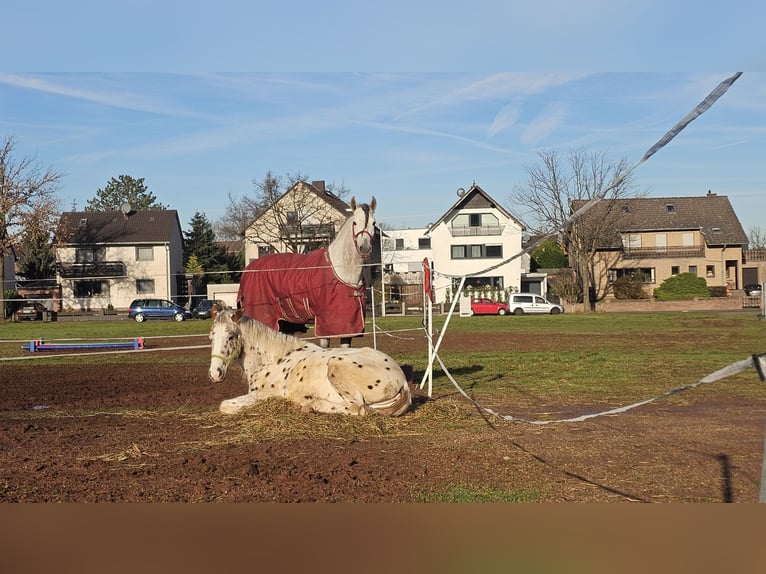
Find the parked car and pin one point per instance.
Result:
(203, 309)
(142, 309)
(521, 303)
(483, 306)
(753, 289)
(30, 312)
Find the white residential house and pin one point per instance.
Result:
(474, 234)
(113, 257)
(402, 255)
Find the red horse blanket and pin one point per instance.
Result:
(302, 288)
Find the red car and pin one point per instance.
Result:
(483, 306)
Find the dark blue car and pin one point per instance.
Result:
(142, 309)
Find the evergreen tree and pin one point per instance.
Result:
(548, 255)
(199, 242)
(123, 189)
(38, 262)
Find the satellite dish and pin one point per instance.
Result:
(126, 208)
(460, 192)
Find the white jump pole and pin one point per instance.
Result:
(429, 369)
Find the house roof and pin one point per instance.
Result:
(712, 214)
(98, 227)
(475, 197)
(317, 188)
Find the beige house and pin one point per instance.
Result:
(113, 257)
(307, 216)
(660, 237)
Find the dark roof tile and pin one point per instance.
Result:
(712, 214)
(97, 227)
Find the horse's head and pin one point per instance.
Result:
(224, 342)
(363, 226)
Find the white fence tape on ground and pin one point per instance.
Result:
(756, 361)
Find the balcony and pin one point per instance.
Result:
(475, 230)
(750, 255)
(663, 252)
(308, 231)
(92, 269)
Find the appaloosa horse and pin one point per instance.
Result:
(324, 287)
(341, 380)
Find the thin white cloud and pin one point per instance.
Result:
(438, 134)
(503, 120)
(502, 86)
(544, 124)
(111, 98)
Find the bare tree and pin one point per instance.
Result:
(556, 188)
(241, 212)
(757, 237)
(303, 219)
(27, 197)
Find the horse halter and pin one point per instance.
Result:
(363, 232)
(227, 359)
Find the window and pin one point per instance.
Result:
(475, 219)
(87, 288)
(477, 251)
(144, 253)
(265, 250)
(670, 207)
(399, 244)
(675, 270)
(646, 274)
(495, 282)
(710, 270)
(631, 240)
(424, 243)
(494, 251)
(693, 269)
(89, 254)
(688, 239)
(144, 286)
(661, 242)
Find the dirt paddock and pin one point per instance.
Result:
(150, 431)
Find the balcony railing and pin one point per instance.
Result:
(92, 269)
(663, 252)
(475, 230)
(749, 255)
(309, 231)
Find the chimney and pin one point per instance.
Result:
(319, 184)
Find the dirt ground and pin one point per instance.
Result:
(151, 432)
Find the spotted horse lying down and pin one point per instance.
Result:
(354, 381)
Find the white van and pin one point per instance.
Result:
(521, 303)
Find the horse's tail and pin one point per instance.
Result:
(395, 406)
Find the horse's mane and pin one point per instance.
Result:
(268, 339)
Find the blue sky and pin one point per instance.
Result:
(377, 99)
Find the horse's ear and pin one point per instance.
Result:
(373, 203)
(214, 312)
(353, 204)
(237, 315)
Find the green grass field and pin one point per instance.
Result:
(595, 357)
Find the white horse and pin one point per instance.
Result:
(342, 380)
(286, 291)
